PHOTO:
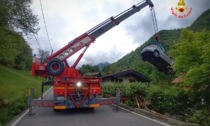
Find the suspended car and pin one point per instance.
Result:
(154, 55)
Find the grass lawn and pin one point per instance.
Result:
(14, 90)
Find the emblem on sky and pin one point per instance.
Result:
(181, 10)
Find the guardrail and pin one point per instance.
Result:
(32, 103)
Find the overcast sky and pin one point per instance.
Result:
(67, 19)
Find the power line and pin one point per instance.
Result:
(37, 40)
(45, 25)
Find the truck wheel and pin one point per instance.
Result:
(55, 67)
(156, 54)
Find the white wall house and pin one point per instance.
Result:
(126, 76)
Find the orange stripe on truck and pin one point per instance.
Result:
(59, 107)
(59, 88)
(94, 105)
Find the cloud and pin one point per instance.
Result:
(67, 19)
(140, 29)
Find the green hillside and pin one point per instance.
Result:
(202, 22)
(168, 39)
(14, 87)
(190, 50)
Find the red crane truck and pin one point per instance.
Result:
(70, 88)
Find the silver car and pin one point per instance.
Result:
(158, 58)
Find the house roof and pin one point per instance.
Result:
(137, 75)
(179, 79)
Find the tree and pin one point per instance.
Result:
(16, 15)
(89, 69)
(191, 54)
(16, 19)
(43, 55)
(24, 58)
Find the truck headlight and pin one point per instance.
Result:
(79, 84)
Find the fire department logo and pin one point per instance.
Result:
(181, 10)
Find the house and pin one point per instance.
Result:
(126, 76)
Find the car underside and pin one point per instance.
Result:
(157, 60)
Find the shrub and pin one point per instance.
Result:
(130, 91)
(165, 99)
(201, 116)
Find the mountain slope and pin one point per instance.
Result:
(168, 39)
(202, 22)
(102, 65)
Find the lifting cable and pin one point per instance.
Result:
(45, 26)
(154, 20)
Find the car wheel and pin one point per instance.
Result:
(156, 54)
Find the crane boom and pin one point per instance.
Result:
(85, 40)
(113, 21)
(88, 37)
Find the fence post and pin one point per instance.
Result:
(30, 99)
(118, 98)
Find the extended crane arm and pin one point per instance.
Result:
(88, 37)
(113, 21)
(54, 63)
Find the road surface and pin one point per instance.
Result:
(102, 116)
